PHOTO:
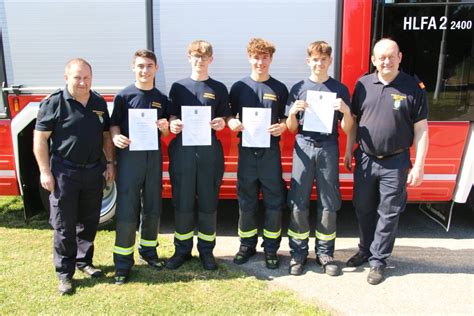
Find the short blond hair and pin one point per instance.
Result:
(201, 47)
(74, 61)
(319, 47)
(260, 46)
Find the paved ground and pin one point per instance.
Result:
(431, 272)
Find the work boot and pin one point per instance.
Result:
(65, 287)
(357, 259)
(244, 254)
(271, 260)
(296, 266)
(329, 265)
(91, 271)
(208, 261)
(121, 277)
(155, 262)
(375, 275)
(177, 260)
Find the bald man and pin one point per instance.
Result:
(391, 110)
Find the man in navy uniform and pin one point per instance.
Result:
(76, 123)
(139, 172)
(196, 171)
(316, 157)
(260, 168)
(391, 110)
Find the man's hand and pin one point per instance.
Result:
(235, 125)
(176, 126)
(162, 124)
(415, 177)
(121, 141)
(47, 180)
(341, 106)
(109, 173)
(348, 160)
(298, 106)
(218, 124)
(276, 129)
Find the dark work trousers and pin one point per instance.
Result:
(196, 173)
(260, 169)
(380, 196)
(74, 214)
(139, 185)
(320, 162)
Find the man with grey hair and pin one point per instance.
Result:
(76, 123)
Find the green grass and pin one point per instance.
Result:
(28, 282)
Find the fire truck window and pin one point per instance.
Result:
(437, 43)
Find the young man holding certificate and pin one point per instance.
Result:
(258, 107)
(315, 105)
(199, 107)
(138, 120)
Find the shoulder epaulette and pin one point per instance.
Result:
(58, 91)
(420, 83)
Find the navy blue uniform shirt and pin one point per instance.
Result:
(133, 98)
(270, 94)
(386, 114)
(77, 130)
(299, 91)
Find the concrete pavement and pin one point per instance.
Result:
(431, 272)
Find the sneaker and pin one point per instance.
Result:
(91, 271)
(244, 254)
(296, 266)
(271, 260)
(375, 275)
(65, 287)
(177, 260)
(156, 262)
(329, 265)
(208, 261)
(358, 259)
(121, 277)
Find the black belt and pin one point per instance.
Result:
(75, 165)
(396, 152)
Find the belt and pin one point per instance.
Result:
(75, 165)
(396, 152)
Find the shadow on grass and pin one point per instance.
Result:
(191, 271)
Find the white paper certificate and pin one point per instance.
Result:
(319, 115)
(256, 121)
(142, 130)
(197, 125)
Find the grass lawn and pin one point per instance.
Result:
(28, 282)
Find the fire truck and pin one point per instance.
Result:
(435, 37)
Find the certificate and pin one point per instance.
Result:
(142, 130)
(319, 115)
(197, 125)
(256, 121)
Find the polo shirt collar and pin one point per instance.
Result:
(67, 95)
(375, 78)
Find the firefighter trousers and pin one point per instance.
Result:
(260, 169)
(139, 184)
(196, 175)
(314, 161)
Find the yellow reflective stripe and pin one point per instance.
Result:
(248, 234)
(149, 243)
(123, 251)
(296, 235)
(207, 237)
(272, 235)
(322, 236)
(184, 236)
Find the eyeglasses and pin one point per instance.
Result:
(201, 57)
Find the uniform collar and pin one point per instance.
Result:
(376, 80)
(67, 95)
